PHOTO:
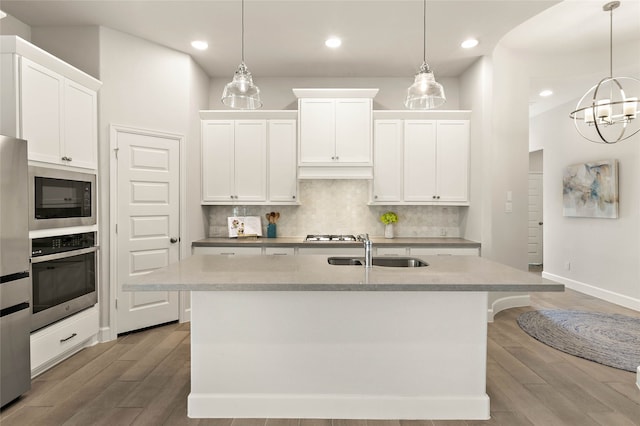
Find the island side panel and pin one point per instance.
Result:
(366, 355)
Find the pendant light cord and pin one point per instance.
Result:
(424, 31)
(611, 42)
(242, 31)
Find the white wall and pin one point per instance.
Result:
(12, 26)
(476, 95)
(604, 254)
(79, 46)
(276, 93)
(150, 87)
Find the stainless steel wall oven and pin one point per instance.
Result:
(63, 277)
(60, 198)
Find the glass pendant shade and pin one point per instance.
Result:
(425, 92)
(241, 93)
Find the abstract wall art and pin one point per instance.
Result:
(591, 190)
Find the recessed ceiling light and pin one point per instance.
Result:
(469, 43)
(199, 44)
(546, 93)
(333, 42)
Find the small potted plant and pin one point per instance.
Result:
(388, 218)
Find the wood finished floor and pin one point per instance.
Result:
(143, 379)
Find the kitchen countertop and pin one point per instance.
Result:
(299, 242)
(314, 273)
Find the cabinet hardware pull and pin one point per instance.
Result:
(293, 196)
(68, 338)
(69, 159)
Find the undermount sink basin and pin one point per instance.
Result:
(392, 262)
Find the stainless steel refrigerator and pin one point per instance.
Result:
(15, 282)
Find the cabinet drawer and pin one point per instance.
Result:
(53, 341)
(391, 251)
(227, 250)
(280, 251)
(445, 251)
(331, 251)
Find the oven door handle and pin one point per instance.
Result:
(63, 255)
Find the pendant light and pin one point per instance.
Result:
(425, 92)
(607, 113)
(241, 93)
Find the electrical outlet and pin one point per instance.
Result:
(567, 265)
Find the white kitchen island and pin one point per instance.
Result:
(295, 337)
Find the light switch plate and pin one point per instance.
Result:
(508, 207)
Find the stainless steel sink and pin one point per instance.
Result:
(392, 262)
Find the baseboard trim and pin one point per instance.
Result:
(507, 303)
(609, 296)
(383, 407)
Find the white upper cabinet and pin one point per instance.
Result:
(283, 182)
(250, 155)
(388, 162)
(50, 104)
(335, 133)
(452, 161)
(41, 111)
(234, 161)
(421, 161)
(249, 159)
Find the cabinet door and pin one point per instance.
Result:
(250, 147)
(283, 182)
(317, 131)
(453, 160)
(80, 126)
(353, 130)
(217, 160)
(387, 161)
(419, 160)
(41, 103)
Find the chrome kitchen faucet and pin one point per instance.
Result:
(367, 249)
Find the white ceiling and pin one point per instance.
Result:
(381, 38)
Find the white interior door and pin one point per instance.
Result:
(148, 206)
(535, 218)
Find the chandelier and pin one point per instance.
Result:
(606, 113)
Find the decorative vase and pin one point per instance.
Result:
(271, 230)
(388, 230)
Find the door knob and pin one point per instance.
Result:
(539, 223)
(173, 240)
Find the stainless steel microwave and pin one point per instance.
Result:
(61, 198)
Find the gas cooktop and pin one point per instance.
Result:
(327, 237)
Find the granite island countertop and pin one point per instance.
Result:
(314, 273)
(448, 242)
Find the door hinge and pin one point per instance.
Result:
(115, 150)
(116, 303)
(116, 228)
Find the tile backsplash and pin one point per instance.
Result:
(340, 207)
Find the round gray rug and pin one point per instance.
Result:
(608, 339)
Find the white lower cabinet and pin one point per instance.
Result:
(390, 251)
(58, 341)
(279, 251)
(444, 251)
(227, 250)
(332, 251)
